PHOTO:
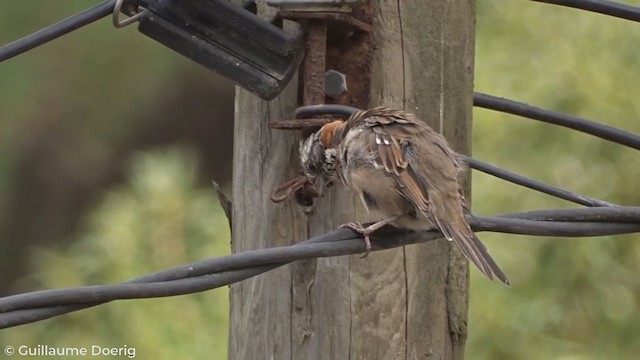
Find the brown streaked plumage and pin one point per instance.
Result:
(402, 170)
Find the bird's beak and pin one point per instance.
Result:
(315, 187)
(285, 190)
(305, 189)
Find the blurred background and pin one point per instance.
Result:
(109, 142)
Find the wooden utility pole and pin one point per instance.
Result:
(407, 303)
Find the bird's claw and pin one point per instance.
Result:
(365, 231)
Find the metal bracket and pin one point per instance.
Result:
(334, 40)
(341, 42)
(226, 38)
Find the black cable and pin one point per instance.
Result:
(533, 184)
(20, 317)
(13, 311)
(610, 8)
(216, 272)
(552, 228)
(102, 293)
(508, 106)
(570, 121)
(595, 214)
(56, 30)
(324, 109)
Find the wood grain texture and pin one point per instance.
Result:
(438, 41)
(260, 306)
(406, 303)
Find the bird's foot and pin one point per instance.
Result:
(365, 231)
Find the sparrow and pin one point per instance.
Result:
(402, 170)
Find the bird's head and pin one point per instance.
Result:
(318, 160)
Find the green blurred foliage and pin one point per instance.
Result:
(75, 103)
(73, 110)
(113, 55)
(158, 219)
(87, 85)
(571, 298)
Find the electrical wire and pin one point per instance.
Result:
(324, 109)
(216, 272)
(533, 184)
(57, 30)
(610, 8)
(570, 121)
(594, 214)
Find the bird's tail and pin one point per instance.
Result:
(472, 248)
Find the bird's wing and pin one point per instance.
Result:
(438, 164)
(426, 175)
(390, 142)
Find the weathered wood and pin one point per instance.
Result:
(403, 303)
(438, 38)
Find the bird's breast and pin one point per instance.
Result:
(377, 191)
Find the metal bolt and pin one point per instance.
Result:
(335, 83)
